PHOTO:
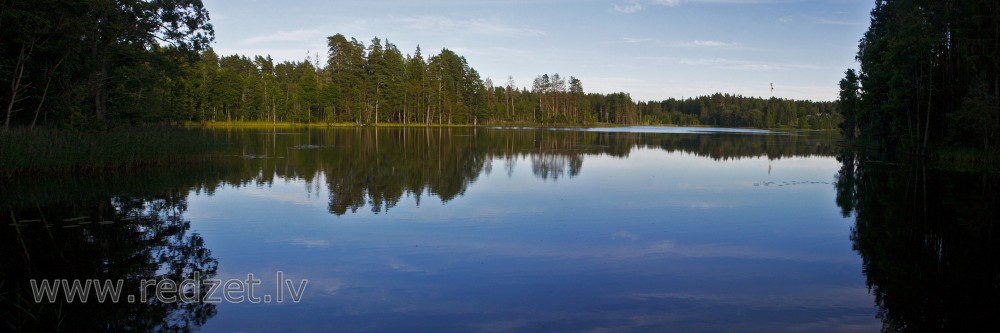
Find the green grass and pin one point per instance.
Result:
(966, 159)
(285, 124)
(262, 124)
(60, 151)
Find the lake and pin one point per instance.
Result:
(637, 229)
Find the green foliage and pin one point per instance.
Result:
(928, 78)
(739, 111)
(378, 84)
(116, 60)
(848, 103)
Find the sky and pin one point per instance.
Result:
(652, 49)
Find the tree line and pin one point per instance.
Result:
(150, 61)
(739, 111)
(928, 78)
(378, 83)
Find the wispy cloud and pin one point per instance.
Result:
(742, 65)
(311, 243)
(819, 20)
(484, 26)
(628, 7)
(301, 35)
(710, 43)
(668, 3)
(692, 43)
(633, 40)
(634, 6)
(497, 52)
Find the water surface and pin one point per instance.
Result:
(438, 230)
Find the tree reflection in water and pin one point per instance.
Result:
(144, 234)
(929, 244)
(376, 167)
(126, 237)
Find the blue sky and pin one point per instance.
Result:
(653, 49)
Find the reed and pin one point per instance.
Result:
(966, 159)
(63, 151)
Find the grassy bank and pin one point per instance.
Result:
(266, 124)
(59, 151)
(966, 159)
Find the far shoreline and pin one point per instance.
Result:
(531, 125)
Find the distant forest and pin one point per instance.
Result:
(99, 63)
(377, 83)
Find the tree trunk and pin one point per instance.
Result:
(927, 123)
(15, 84)
(101, 91)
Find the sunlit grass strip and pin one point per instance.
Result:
(267, 124)
(50, 150)
(262, 124)
(967, 159)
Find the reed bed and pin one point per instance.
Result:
(62, 151)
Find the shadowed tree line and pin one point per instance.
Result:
(927, 88)
(928, 79)
(80, 61)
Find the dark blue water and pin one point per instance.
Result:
(650, 239)
(459, 230)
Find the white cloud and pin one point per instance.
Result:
(633, 6)
(629, 7)
(476, 26)
(819, 20)
(629, 40)
(723, 63)
(633, 40)
(311, 243)
(711, 43)
(668, 3)
(301, 35)
(496, 52)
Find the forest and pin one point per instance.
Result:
(377, 83)
(928, 81)
(151, 62)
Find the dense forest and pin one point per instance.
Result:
(81, 62)
(377, 83)
(928, 79)
(84, 63)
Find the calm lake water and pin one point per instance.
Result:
(644, 229)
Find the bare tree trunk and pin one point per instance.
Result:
(15, 84)
(45, 91)
(927, 123)
(101, 93)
